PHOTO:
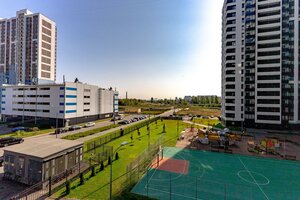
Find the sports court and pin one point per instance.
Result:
(192, 174)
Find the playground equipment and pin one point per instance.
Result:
(266, 145)
(223, 138)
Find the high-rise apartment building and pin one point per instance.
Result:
(27, 49)
(260, 63)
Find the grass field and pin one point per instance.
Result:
(90, 132)
(210, 122)
(97, 187)
(24, 134)
(197, 110)
(221, 176)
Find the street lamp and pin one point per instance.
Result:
(56, 122)
(110, 182)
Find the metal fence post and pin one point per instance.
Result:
(50, 184)
(170, 187)
(147, 185)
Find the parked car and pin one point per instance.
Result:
(10, 141)
(75, 127)
(89, 124)
(19, 128)
(60, 130)
(122, 122)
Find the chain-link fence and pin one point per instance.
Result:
(151, 156)
(96, 143)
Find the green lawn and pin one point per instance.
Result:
(90, 132)
(97, 187)
(210, 122)
(24, 134)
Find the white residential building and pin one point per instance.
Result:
(260, 64)
(69, 102)
(27, 49)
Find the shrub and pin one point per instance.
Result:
(93, 171)
(101, 166)
(109, 160)
(164, 128)
(34, 129)
(68, 189)
(81, 178)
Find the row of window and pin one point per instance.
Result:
(30, 110)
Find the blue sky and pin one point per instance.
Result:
(150, 48)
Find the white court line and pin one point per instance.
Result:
(148, 181)
(185, 197)
(253, 179)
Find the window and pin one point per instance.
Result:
(71, 111)
(71, 88)
(71, 96)
(71, 104)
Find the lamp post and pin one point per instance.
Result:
(111, 171)
(56, 121)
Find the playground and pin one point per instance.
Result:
(192, 174)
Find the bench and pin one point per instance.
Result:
(228, 151)
(290, 157)
(214, 149)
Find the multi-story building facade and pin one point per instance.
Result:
(69, 102)
(27, 49)
(260, 63)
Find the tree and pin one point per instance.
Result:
(93, 171)
(68, 189)
(101, 166)
(117, 156)
(109, 160)
(81, 179)
(164, 128)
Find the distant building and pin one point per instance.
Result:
(69, 103)
(133, 110)
(27, 49)
(188, 98)
(36, 160)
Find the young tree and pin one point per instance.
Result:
(101, 166)
(109, 160)
(81, 179)
(164, 128)
(93, 171)
(68, 188)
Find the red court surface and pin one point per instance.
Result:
(172, 165)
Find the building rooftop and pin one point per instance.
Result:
(43, 147)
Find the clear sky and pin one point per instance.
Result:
(150, 48)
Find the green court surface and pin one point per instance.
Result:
(214, 176)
